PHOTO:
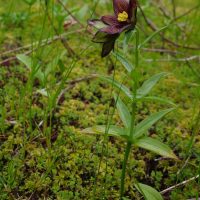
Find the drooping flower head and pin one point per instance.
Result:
(111, 26)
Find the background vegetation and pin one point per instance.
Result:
(49, 92)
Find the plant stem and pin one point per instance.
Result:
(127, 152)
(134, 109)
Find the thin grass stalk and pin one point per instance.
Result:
(108, 123)
(134, 110)
(29, 91)
(126, 155)
(106, 134)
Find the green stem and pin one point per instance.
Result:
(127, 152)
(134, 110)
(137, 49)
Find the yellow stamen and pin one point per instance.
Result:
(122, 17)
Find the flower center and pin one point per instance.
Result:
(122, 17)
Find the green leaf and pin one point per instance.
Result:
(128, 66)
(148, 192)
(123, 112)
(149, 84)
(155, 146)
(25, 60)
(127, 38)
(117, 85)
(43, 92)
(159, 99)
(143, 126)
(82, 12)
(113, 131)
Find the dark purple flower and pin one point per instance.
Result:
(109, 27)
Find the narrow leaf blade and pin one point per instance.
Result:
(25, 60)
(159, 99)
(117, 85)
(155, 146)
(128, 66)
(143, 126)
(123, 112)
(149, 84)
(112, 131)
(127, 38)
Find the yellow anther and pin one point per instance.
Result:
(122, 17)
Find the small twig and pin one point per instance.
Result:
(187, 12)
(12, 122)
(69, 13)
(63, 40)
(86, 78)
(13, 58)
(162, 8)
(184, 165)
(160, 51)
(73, 17)
(165, 12)
(44, 43)
(194, 199)
(31, 196)
(174, 8)
(155, 28)
(175, 59)
(179, 184)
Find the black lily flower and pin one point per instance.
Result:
(110, 27)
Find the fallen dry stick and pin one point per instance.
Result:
(179, 184)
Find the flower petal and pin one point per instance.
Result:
(111, 30)
(108, 46)
(115, 29)
(132, 9)
(109, 20)
(120, 6)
